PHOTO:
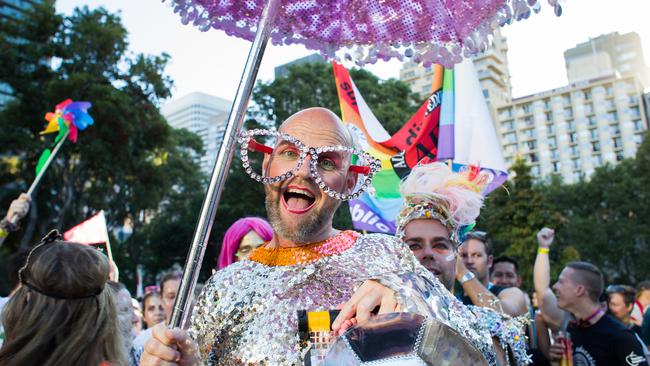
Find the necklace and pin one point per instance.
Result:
(305, 253)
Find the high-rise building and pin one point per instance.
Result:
(491, 67)
(14, 11)
(607, 55)
(283, 70)
(572, 130)
(203, 114)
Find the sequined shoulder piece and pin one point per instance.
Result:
(305, 254)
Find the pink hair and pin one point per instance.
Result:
(236, 232)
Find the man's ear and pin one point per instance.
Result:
(581, 291)
(490, 262)
(518, 280)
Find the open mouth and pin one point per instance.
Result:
(298, 200)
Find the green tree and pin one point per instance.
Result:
(313, 85)
(513, 215)
(606, 217)
(130, 163)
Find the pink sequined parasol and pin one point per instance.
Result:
(367, 31)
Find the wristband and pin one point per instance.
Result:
(466, 277)
(8, 225)
(541, 250)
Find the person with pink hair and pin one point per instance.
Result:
(242, 237)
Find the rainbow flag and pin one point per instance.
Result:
(433, 133)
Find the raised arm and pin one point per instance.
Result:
(552, 314)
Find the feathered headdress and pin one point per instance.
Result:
(433, 191)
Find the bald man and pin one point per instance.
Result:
(247, 312)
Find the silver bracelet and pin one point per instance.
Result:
(466, 277)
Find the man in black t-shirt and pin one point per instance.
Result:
(597, 339)
(606, 342)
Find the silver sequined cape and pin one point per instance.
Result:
(246, 314)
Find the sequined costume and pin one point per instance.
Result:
(246, 313)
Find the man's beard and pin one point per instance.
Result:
(310, 225)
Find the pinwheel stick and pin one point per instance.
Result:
(41, 172)
(181, 312)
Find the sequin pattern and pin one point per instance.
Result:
(246, 314)
(425, 31)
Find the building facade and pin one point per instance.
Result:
(599, 118)
(606, 55)
(570, 131)
(203, 114)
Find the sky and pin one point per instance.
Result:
(212, 62)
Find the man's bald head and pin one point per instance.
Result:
(317, 120)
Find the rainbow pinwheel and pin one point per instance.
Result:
(68, 115)
(67, 119)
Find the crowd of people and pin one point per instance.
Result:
(65, 310)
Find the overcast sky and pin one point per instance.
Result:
(212, 62)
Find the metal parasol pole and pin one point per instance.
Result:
(181, 312)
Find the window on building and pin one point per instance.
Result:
(612, 116)
(609, 104)
(486, 94)
(548, 116)
(618, 143)
(508, 125)
(552, 143)
(510, 149)
(532, 145)
(595, 146)
(597, 160)
(526, 108)
(638, 138)
(638, 125)
(634, 112)
(575, 151)
(556, 167)
(573, 138)
(587, 94)
(575, 163)
(619, 156)
(566, 99)
(594, 134)
(589, 108)
(534, 170)
(609, 90)
(555, 155)
(550, 130)
(568, 113)
(633, 99)
(571, 125)
(547, 103)
(528, 121)
(614, 130)
(529, 133)
(510, 137)
(591, 120)
(533, 158)
(505, 113)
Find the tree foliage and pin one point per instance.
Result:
(130, 163)
(313, 85)
(603, 220)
